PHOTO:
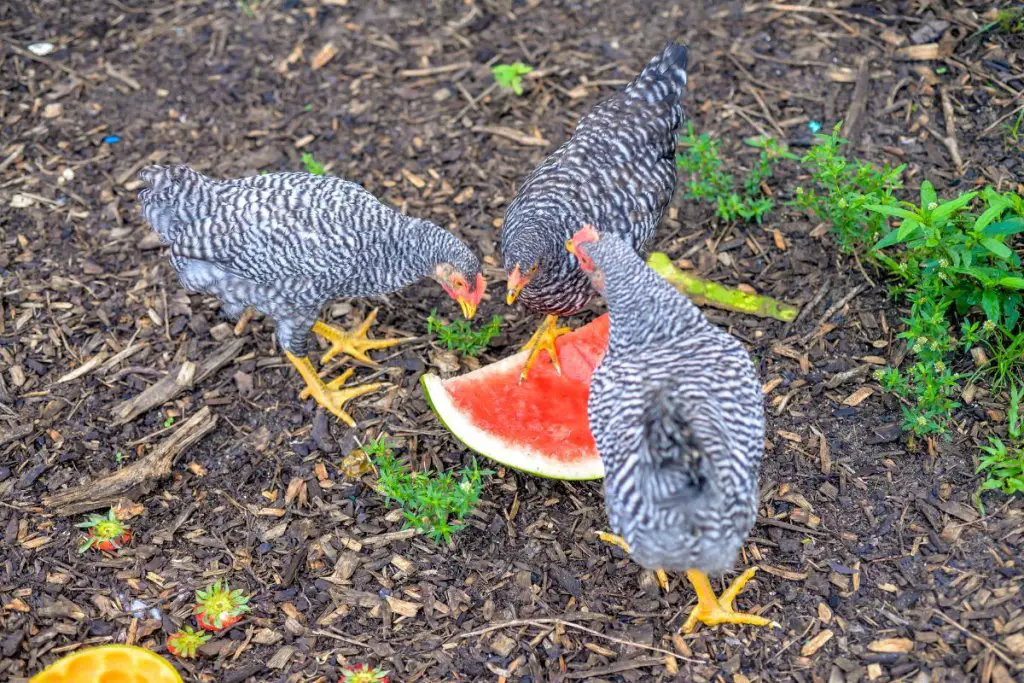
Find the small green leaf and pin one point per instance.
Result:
(1011, 226)
(887, 241)
(1013, 282)
(928, 195)
(999, 249)
(944, 211)
(892, 211)
(990, 303)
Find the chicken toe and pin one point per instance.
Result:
(354, 344)
(713, 610)
(544, 340)
(619, 541)
(330, 395)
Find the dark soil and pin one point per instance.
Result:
(872, 554)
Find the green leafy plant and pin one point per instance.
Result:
(1004, 464)
(843, 188)
(460, 335)
(1010, 19)
(435, 503)
(952, 265)
(510, 76)
(709, 183)
(1013, 130)
(311, 165)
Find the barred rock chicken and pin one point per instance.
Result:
(676, 410)
(287, 243)
(617, 171)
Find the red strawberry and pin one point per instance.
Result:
(218, 607)
(185, 642)
(362, 673)
(105, 533)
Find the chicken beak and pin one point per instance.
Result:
(516, 282)
(570, 246)
(468, 308)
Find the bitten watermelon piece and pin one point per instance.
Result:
(538, 426)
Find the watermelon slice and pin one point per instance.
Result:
(538, 426)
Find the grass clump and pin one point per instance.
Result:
(709, 183)
(435, 503)
(460, 335)
(510, 76)
(311, 165)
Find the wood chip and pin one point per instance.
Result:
(281, 657)
(513, 135)
(417, 181)
(502, 645)
(84, 369)
(816, 643)
(323, 55)
(918, 53)
(892, 645)
(858, 397)
(403, 607)
(783, 573)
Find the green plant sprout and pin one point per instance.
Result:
(710, 183)
(460, 335)
(311, 165)
(1004, 464)
(435, 503)
(510, 76)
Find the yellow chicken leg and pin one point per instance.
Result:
(330, 395)
(355, 343)
(544, 340)
(713, 611)
(619, 541)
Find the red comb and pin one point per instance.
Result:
(588, 233)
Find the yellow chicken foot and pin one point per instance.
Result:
(544, 340)
(355, 343)
(330, 395)
(619, 541)
(713, 611)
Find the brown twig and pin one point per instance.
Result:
(155, 465)
(858, 102)
(984, 641)
(832, 310)
(569, 624)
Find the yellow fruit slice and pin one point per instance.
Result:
(110, 664)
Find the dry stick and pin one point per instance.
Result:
(950, 139)
(858, 102)
(155, 465)
(997, 121)
(988, 644)
(569, 624)
(174, 382)
(832, 310)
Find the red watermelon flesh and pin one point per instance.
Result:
(537, 426)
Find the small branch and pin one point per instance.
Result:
(180, 379)
(578, 627)
(155, 465)
(832, 310)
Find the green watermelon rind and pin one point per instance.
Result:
(501, 450)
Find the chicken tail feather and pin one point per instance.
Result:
(668, 67)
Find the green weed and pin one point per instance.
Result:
(1011, 20)
(1004, 464)
(510, 76)
(711, 184)
(1014, 130)
(311, 165)
(843, 188)
(435, 503)
(460, 335)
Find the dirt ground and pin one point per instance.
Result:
(873, 557)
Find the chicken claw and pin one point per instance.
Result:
(713, 611)
(330, 395)
(620, 542)
(355, 343)
(544, 340)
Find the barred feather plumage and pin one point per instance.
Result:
(287, 243)
(617, 172)
(676, 410)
